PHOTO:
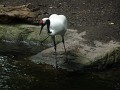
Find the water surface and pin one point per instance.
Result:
(19, 73)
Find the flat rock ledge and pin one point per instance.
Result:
(79, 55)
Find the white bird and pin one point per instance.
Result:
(56, 25)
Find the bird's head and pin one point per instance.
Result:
(43, 22)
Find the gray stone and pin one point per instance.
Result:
(79, 54)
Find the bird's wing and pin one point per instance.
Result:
(58, 19)
(58, 23)
(53, 16)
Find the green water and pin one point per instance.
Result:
(19, 73)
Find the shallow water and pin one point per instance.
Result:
(19, 73)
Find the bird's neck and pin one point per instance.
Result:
(48, 25)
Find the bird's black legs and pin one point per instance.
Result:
(53, 38)
(63, 43)
(66, 59)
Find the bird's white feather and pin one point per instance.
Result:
(58, 24)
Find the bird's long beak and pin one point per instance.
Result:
(41, 29)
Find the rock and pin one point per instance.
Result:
(20, 36)
(15, 14)
(79, 54)
(22, 32)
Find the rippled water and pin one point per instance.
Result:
(19, 73)
(6, 70)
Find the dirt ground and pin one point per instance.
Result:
(99, 18)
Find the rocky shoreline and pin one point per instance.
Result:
(79, 54)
